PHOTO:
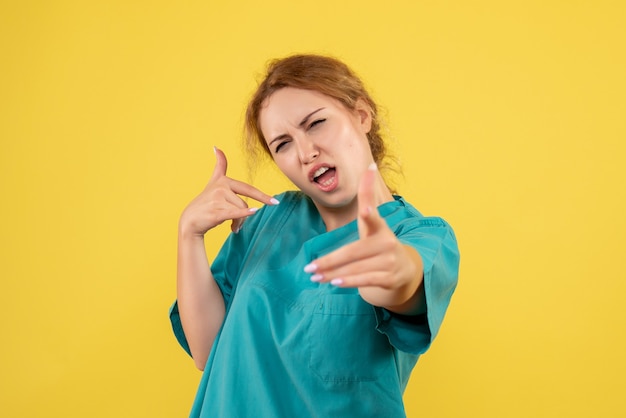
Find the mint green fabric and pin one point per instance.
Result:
(290, 347)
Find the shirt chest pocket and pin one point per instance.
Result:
(344, 344)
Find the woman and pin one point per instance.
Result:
(319, 303)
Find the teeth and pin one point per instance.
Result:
(320, 171)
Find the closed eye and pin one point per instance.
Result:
(316, 122)
(282, 144)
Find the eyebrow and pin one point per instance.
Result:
(301, 124)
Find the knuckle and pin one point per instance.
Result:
(388, 241)
(388, 259)
(369, 281)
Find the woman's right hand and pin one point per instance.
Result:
(220, 201)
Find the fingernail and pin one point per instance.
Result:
(274, 201)
(214, 150)
(316, 277)
(236, 231)
(336, 282)
(310, 268)
(253, 210)
(372, 167)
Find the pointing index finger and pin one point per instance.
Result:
(245, 189)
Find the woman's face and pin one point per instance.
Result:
(319, 144)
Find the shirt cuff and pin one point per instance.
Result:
(177, 327)
(409, 334)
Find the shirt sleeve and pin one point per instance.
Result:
(177, 327)
(436, 243)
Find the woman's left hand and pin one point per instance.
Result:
(386, 272)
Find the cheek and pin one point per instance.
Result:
(286, 164)
(358, 145)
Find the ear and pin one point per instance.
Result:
(364, 112)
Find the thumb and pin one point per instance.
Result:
(221, 164)
(368, 220)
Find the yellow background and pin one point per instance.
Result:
(509, 118)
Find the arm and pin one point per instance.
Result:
(200, 301)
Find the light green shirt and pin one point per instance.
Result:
(290, 347)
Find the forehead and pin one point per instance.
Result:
(289, 105)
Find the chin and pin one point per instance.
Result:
(336, 199)
(332, 202)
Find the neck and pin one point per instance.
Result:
(337, 217)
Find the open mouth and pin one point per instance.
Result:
(324, 176)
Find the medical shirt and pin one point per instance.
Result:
(290, 347)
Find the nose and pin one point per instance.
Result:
(307, 151)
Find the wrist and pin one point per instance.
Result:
(186, 233)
